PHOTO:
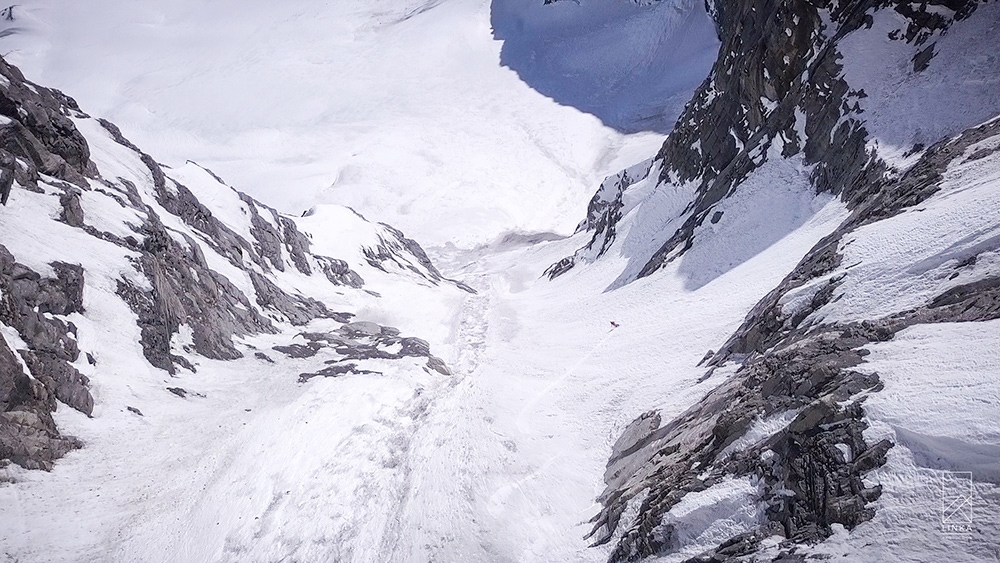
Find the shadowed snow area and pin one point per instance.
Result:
(399, 109)
(632, 64)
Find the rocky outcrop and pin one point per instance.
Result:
(343, 349)
(810, 471)
(777, 90)
(393, 248)
(196, 286)
(767, 323)
(37, 134)
(35, 307)
(186, 291)
(604, 212)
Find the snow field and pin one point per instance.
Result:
(400, 110)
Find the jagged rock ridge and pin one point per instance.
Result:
(779, 91)
(791, 361)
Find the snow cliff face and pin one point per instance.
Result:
(93, 226)
(850, 99)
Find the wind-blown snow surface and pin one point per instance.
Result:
(904, 108)
(399, 109)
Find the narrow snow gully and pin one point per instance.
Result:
(508, 459)
(490, 475)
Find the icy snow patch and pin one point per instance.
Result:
(939, 406)
(904, 261)
(704, 519)
(903, 107)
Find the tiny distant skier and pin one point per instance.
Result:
(614, 325)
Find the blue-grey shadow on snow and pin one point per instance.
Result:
(632, 65)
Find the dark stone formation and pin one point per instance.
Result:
(603, 214)
(339, 273)
(775, 63)
(186, 291)
(66, 383)
(40, 133)
(72, 213)
(438, 365)
(737, 546)
(26, 297)
(179, 391)
(336, 370)
(135, 411)
(813, 374)
(297, 309)
(560, 267)
(263, 357)
(922, 59)
(397, 249)
(8, 165)
(28, 434)
(299, 350)
(356, 341)
(384, 252)
(808, 484)
(755, 42)
(297, 245)
(181, 202)
(268, 239)
(766, 324)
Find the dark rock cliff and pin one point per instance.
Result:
(777, 88)
(28, 303)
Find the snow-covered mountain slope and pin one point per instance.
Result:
(837, 97)
(801, 286)
(793, 422)
(154, 315)
(398, 109)
(890, 113)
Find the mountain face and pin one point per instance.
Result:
(856, 98)
(781, 89)
(186, 281)
(188, 373)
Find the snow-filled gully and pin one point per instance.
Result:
(504, 459)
